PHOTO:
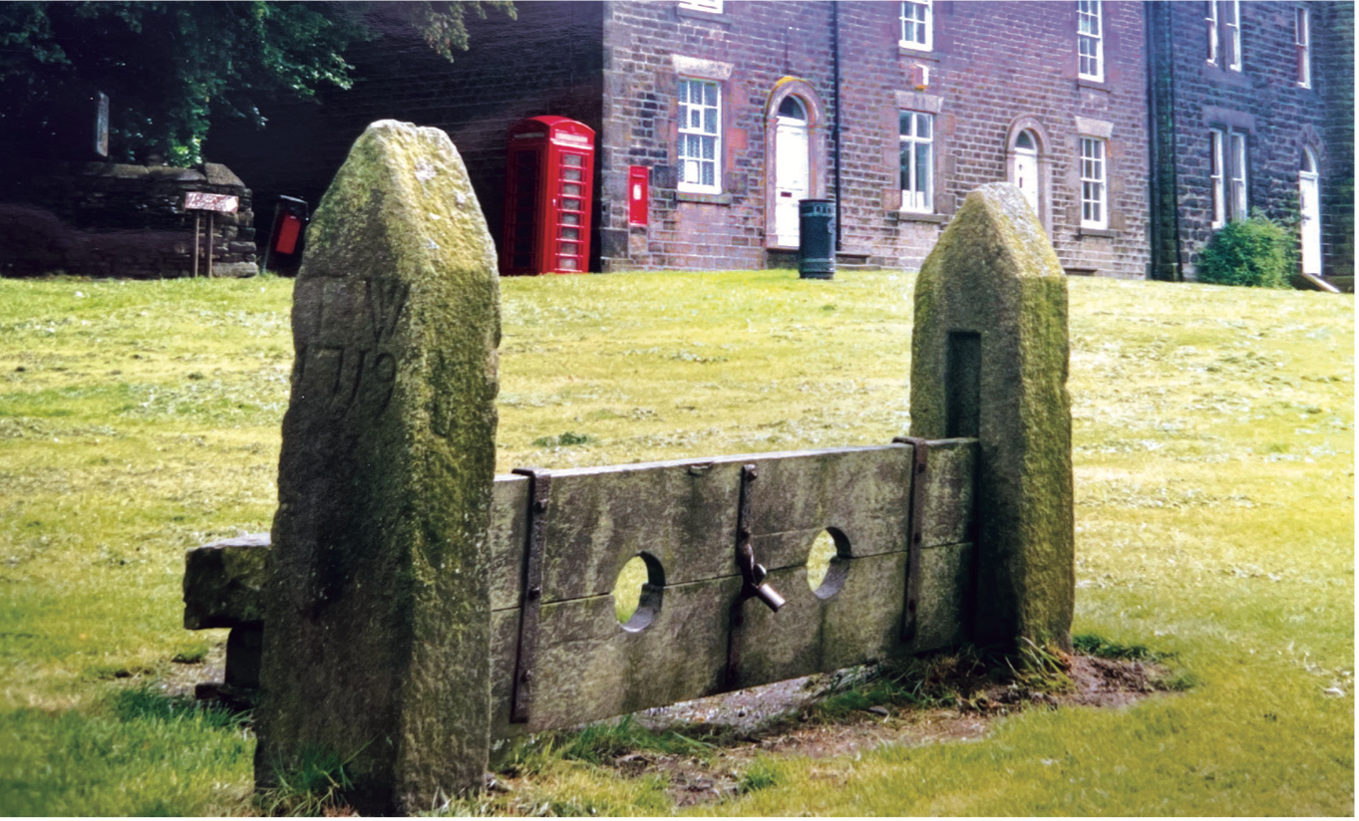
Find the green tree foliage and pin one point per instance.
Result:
(443, 24)
(167, 67)
(1257, 252)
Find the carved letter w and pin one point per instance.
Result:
(386, 298)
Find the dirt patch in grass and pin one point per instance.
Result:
(782, 720)
(741, 731)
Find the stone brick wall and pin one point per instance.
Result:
(545, 62)
(992, 65)
(109, 219)
(995, 68)
(1333, 70)
(754, 45)
(1264, 101)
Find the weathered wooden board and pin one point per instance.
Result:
(949, 492)
(509, 519)
(947, 592)
(858, 623)
(590, 667)
(862, 492)
(683, 513)
(684, 516)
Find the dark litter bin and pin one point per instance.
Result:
(816, 246)
(284, 252)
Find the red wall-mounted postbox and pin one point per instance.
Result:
(639, 177)
(549, 196)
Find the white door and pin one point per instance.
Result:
(792, 172)
(1310, 207)
(1026, 168)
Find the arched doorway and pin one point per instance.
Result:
(795, 158)
(1028, 164)
(792, 168)
(1026, 167)
(1309, 206)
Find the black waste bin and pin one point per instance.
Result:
(816, 246)
(284, 252)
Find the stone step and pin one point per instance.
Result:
(1312, 282)
(1345, 284)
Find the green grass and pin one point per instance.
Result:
(135, 752)
(1214, 458)
(597, 743)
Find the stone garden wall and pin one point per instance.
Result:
(110, 219)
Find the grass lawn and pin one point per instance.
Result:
(1214, 459)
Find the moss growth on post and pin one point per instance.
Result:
(994, 278)
(377, 615)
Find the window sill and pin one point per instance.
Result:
(706, 16)
(1107, 233)
(710, 199)
(1098, 85)
(917, 53)
(920, 216)
(1226, 76)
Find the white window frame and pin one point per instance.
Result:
(697, 129)
(1228, 154)
(921, 23)
(1090, 40)
(1232, 23)
(711, 6)
(917, 194)
(1302, 38)
(1217, 173)
(1238, 202)
(1211, 20)
(1094, 182)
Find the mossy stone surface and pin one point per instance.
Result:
(993, 292)
(377, 611)
(223, 582)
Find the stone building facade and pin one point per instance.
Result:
(898, 111)
(732, 111)
(831, 83)
(1254, 109)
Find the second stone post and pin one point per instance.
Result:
(989, 360)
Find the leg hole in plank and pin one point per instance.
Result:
(637, 592)
(828, 563)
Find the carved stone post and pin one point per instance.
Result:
(377, 607)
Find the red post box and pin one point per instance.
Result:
(639, 199)
(549, 197)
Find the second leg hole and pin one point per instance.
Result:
(826, 563)
(637, 592)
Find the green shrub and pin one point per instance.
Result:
(1257, 252)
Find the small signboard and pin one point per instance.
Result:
(203, 201)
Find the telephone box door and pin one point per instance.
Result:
(549, 197)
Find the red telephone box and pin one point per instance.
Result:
(549, 195)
